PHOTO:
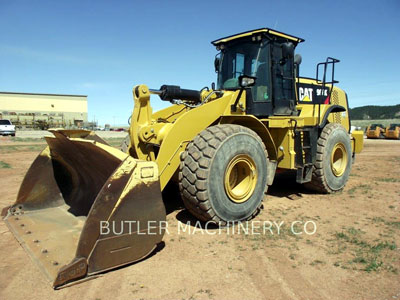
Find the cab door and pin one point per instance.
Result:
(284, 102)
(259, 97)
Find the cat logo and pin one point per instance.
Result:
(306, 94)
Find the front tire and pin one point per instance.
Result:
(333, 162)
(223, 174)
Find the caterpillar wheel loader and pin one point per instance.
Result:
(85, 207)
(393, 131)
(375, 131)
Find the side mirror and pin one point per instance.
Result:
(287, 50)
(246, 81)
(297, 59)
(217, 62)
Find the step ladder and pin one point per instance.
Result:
(305, 145)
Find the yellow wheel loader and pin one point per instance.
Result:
(85, 207)
(375, 131)
(393, 131)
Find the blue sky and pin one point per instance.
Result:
(103, 48)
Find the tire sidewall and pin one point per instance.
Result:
(224, 207)
(336, 183)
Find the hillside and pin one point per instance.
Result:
(374, 112)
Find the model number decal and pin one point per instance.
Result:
(309, 93)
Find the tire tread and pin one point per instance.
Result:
(318, 182)
(195, 163)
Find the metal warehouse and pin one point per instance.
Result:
(29, 110)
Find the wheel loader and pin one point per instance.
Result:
(85, 207)
(375, 131)
(393, 131)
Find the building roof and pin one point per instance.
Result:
(261, 30)
(39, 94)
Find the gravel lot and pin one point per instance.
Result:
(354, 253)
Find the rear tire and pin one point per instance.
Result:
(333, 162)
(223, 174)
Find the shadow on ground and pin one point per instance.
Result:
(285, 185)
(172, 198)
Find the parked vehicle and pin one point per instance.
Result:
(222, 145)
(393, 131)
(7, 128)
(375, 131)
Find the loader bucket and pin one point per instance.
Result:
(85, 207)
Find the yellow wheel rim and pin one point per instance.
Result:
(240, 178)
(339, 159)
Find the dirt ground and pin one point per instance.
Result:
(37, 134)
(353, 254)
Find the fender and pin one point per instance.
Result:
(331, 109)
(254, 124)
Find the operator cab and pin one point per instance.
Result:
(267, 55)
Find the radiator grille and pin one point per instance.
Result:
(335, 100)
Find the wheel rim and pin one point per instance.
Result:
(240, 178)
(339, 159)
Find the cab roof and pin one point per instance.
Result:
(267, 31)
